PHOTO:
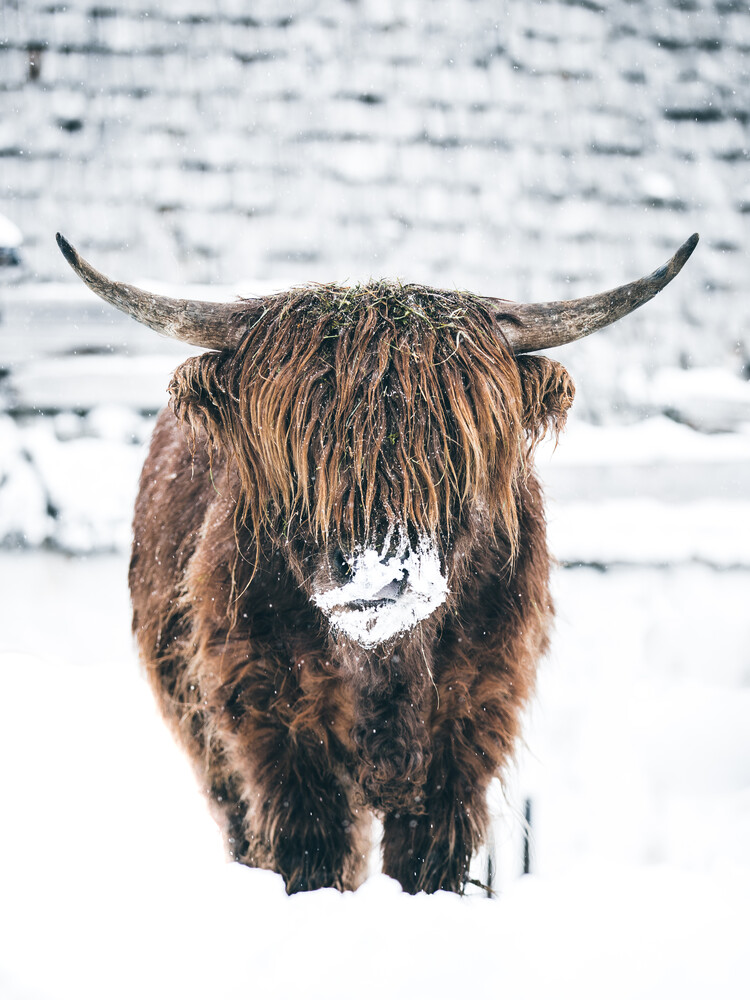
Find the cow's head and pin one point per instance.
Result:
(381, 433)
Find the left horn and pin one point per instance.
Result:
(203, 324)
(543, 325)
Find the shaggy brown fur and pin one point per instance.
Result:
(341, 413)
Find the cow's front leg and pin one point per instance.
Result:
(303, 824)
(431, 847)
(473, 730)
(297, 812)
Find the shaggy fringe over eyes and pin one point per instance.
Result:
(343, 407)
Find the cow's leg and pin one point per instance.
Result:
(473, 728)
(431, 847)
(301, 821)
(257, 736)
(278, 785)
(286, 811)
(482, 684)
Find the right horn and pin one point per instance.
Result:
(203, 324)
(542, 325)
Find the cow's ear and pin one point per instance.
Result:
(199, 393)
(547, 392)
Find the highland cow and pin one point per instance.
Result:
(339, 575)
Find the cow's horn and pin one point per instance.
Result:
(204, 324)
(543, 325)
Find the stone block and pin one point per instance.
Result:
(252, 192)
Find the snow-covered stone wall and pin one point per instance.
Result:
(530, 150)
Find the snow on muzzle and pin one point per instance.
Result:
(387, 591)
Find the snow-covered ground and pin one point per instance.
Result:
(637, 764)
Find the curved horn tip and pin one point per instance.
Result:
(664, 274)
(545, 325)
(67, 250)
(203, 324)
(687, 247)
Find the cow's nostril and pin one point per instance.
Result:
(341, 563)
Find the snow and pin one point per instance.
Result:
(646, 442)
(564, 939)
(60, 484)
(75, 382)
(713, 399)
(636, 765)
(408, 581)
(10, 234)
(649, 531)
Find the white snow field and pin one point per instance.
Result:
(113, 884)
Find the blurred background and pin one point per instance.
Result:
(529, 150)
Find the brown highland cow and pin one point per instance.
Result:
(340, 578)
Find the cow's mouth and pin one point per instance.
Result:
(362, 605)
(385, 595)
(373, 604)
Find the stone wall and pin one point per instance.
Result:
(530, 150)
